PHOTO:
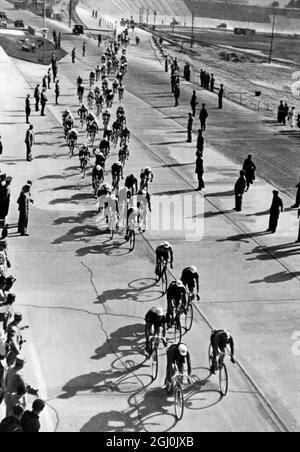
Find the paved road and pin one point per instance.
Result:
(86, 297)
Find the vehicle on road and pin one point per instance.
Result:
(78, 30)
(19, 23)
(3, 24)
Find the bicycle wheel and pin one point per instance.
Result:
(178, 402)
(154, 364)
(189, 317)
(177, 330)
(132, 240)
(223, 380)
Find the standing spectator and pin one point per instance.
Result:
(285, 113)
(121, 90)
(54, 70)
(280, 114)
(5, 199)
(298, 239)
(249, 168)
(1, 146)
(297, 203)
(44, 101)
(96, 14)
(190, 128)
(187, 72)
(59, 40)
(57, 91)
(292, 117)
(207, 84)
(23, 201)
(166, 64)
(49, 78)
(14, 341)
(173, 82)
(27, 108)
(239, 191)
(194, 103)
(100, 22)
(200, 171)
(99, 39)
(176, 95)
(73, 55)
(83, 48)
(37, 96)
(276, 208)
(54, 36)
(202, 78)
(212, 83)
(45, 82)
(200, 143)
(30, 421)
(203, 117)
(12, 424)
(29, 143)
(220, 97)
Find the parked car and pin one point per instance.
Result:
(3, 24)
(78, 30)
(19, 23)
(222, 25)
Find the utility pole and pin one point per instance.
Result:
(272, 37)
(147, 21)
(192, 35)
(70, 14)
(44, 31)
(154, 17)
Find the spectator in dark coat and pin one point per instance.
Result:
(176, 95)
(57, 91)
(200, 143)
(30, 421)
(276, 208)
(220, 97)
(23, 201)
(27, 108)
(1, 146)
(194, 103)
(29, 143)
(37, 97)
(203, 117)
(212, 83)
(44, 101)
(249, 168)
(12, 424)
(200, 171)
(239, 191)
(190, 128)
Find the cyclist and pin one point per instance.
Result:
(190, 279)
(97, 72)
(97, 177)
(120, 111)
(177, 300)
(125, 135)
(132, 220)
(65, 114)
(115, 86)
(93, 130)
(123, 154)
(69, 123)
(137, 40)
(146, 177)
(99, 104)
(104, 84)
(89, 119)
(84, 156)
(219, 341)
(116, 127)
(164, 253)
(97, 91)
(117, 174)
(111, 208)
(143, 203)
(82, 113)
(155, 324)
(80, 93)
(109, 98)
(131, 183)
(92, 78)
(121, 90)
(178, 360)
(106, 118)
(100, 158)
(104, 146)
(91, 99)
(73, 137)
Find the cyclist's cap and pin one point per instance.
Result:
(166, 244)
(183, 350)
(98, 167)
(179, 283)
(20, 359)
(18, 316)
(194, 269)
(159, 312)
(11, 298)
(228, 334)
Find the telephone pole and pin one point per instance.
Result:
(192, 35)
(272, 37)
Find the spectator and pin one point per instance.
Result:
(99, 39)
(59, 40)
(297, 203)
(292, 117)
(200, 143)
(203, 117)
(280, 114)
(200, 171)
(194, 103)
(83, 48)
(44, 101)
(249, 168)
(27, 108)
(30, 421)
(45, 82)
(276, 208)
(212, 83)
(176, 95)
(49, 78)
(298, 239)
(187, 72)
(57, 91)
(12, 424)
(73, 55)
(285, 113)
(14, 341)
(29, 143)
(239, 191)
(1, 146)
(220, 97)
(23, 201)
(190, 128)
(166, 64)
(37, 96)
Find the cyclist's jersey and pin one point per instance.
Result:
(91, 117)
(100, 159)
(125, 133)
(174, 357)
(120, 111)
(82, 112)
(117, 169)
(163, 253)
(144, 201)
(176, 293)
(98, 174)
(92, 75)
(147, 175)
(69, 121)
(152, 318)
(97, 91)
(84, 154)
(131, 181)
(106, 116)
(80, 89)
(91, 95)
(116, 126)
(132, 216)
(115, 84)
(104, 144)
(99, 100)
(188, 276)
(121, 89)
(123, 152)
(124, 195)
(93, 127)
(220, 340)
(79, 81)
